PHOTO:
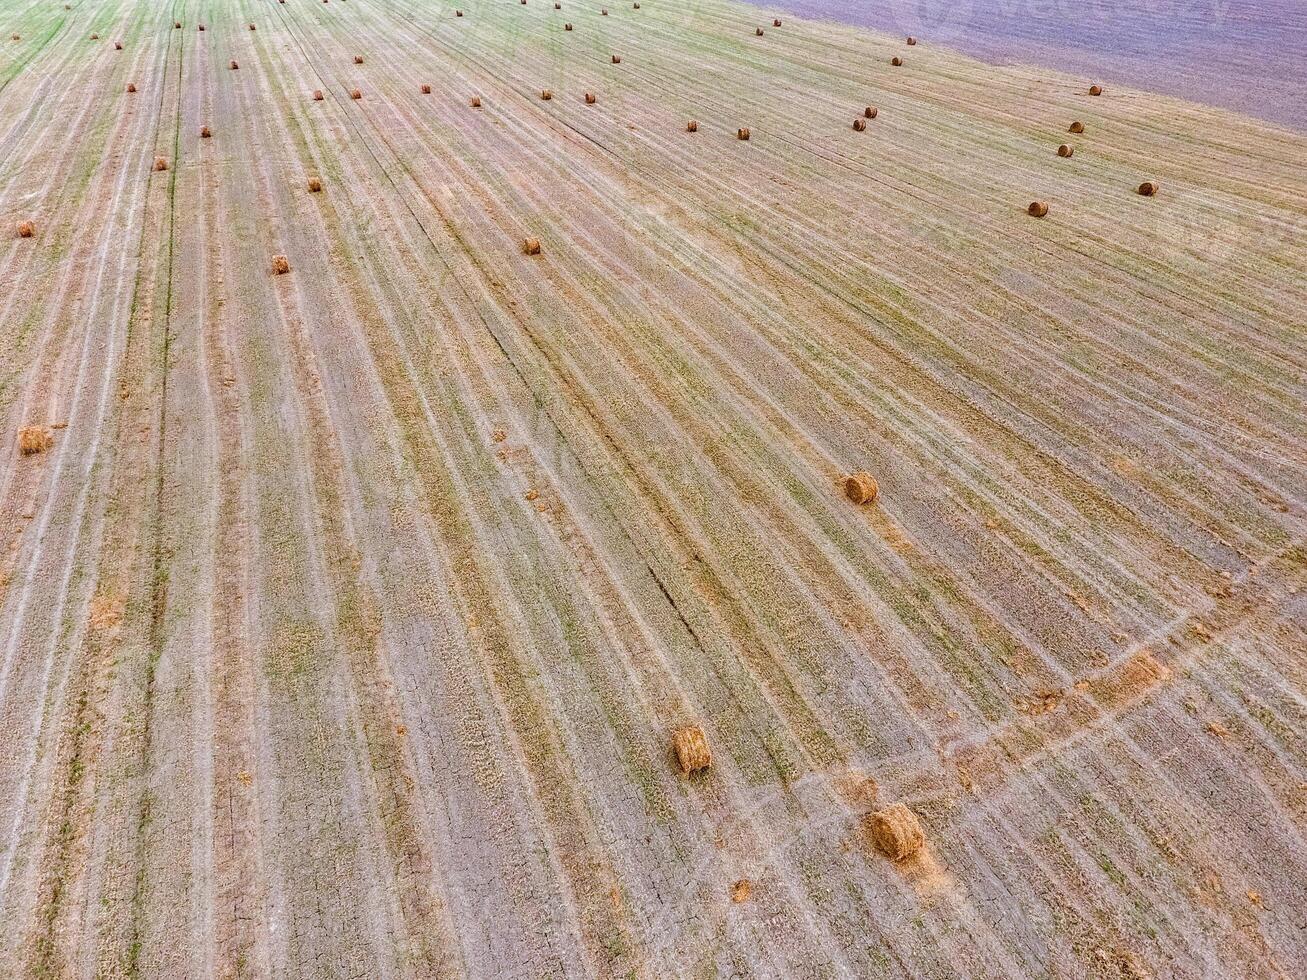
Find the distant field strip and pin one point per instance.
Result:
(344, 627)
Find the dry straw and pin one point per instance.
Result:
(896, 832)
(1037, 208)
(691, 747)
(861, 487)
(33, 439)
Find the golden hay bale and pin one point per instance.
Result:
(757, 32)
(896, 61)
(476, 102)
(204, 132)
(741, 890)
(635, 6)
(692, 126)
(871, 112)
(251, 27)
(1149, 188)
(567, 27)
(911, 39)
(15, 38)
(896, 832)
(743, 133)
(201, 27)
(590, 98)
(531, 246)
(458, 13)
(315, 185)
(234, 65)
(317, 95)
(1037, 208)
(95, 37)
(177, 24)
(358, 59)
(861, 487)
(280, 265)
(131, 87)
(1095, 90)
(1065, 151)
(33, 439)
(426, 89)
(1076, 127)
(691, 747)
(546, 95)
(617, 60)
(117, 45)
(603, 12)
(355, 94)
(558, 6)
(160, 163)
(776, 22)
(26, 229)
(859, 125)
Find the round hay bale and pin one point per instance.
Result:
(476, 102)
(871, 112)
(458, 13)
(743, 134)
(1076, 127)
(177, 24)
(617, 60)
(861, 487)
(131, 87)
(558, 6)
(635, 6)
(1095, 90)
(896, 832)
(1065, 150)
(33, 439)
(117, 45)
(204, 132)
(757, 32)
(317, 95)
(201, 27)
(280, 265)
(911, 40)
(1149, 188)
(603, 12)
(15, 38)
(896, 61)
(692, 126)
(355, 94)
(160, 163)
(251, 27)
(95, 37)
(358, 59)
(26, 229)
(567, 27)
(859, 125)
(426, 89)
(691, 747)
(546, 95)
(590, 98)
(1037, 208)
(234, 65)
(531, 246)
(315, 185)
(776, 22)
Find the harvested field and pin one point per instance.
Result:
(348, 616)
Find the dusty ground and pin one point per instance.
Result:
(343, 628)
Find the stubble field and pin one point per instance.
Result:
(345, 622)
